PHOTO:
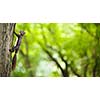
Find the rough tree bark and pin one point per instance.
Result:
(6, 37)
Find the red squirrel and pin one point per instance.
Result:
(16, 48)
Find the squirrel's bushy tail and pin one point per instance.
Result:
(14, 61)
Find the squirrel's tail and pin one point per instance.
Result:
(14, 61)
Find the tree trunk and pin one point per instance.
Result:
(6, 37)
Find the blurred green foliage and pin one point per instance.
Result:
(59, 49)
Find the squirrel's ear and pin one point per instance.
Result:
(22, 33)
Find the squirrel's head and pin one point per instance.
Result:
(22, 33)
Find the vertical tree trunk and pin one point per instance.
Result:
(6, 37)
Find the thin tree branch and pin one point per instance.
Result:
(66, 64)
(88, 31)
(57, 63)
(74, 72)
(27, 62)
(55, 60)
(95, 68)
(85, 70)
(62, 58)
